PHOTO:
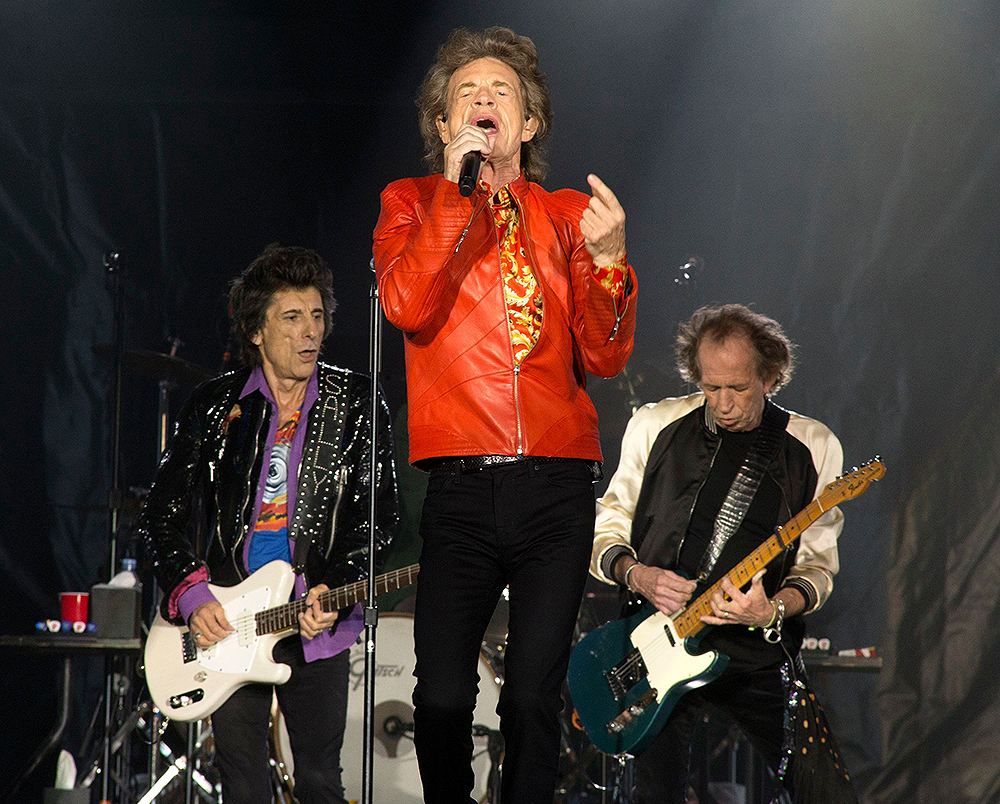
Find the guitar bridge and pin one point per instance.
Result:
(617, 726)
(626, 674)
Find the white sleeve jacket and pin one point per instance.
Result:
(666, 455)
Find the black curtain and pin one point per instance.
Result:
(835, 165)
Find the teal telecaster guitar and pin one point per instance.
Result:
(625, 677)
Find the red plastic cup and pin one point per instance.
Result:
(73, 606)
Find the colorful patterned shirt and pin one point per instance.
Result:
(522, 294)
(193, 590)
(270, 534)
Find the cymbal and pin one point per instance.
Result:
(157, 365)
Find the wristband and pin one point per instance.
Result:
(772, 633)
(630, 568)
(774, 614)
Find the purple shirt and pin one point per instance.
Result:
(331, 641)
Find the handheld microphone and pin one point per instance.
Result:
(469, 173)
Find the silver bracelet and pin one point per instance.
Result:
(630, 568)
(772, 633)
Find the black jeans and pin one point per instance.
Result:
(530, 527)
(314, 705)
(757, 700)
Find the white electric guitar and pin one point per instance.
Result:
(189, 683)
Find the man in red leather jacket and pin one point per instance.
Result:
(506, 297)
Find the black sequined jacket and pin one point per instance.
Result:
(214, 461)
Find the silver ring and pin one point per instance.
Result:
(196, 635)
(725, 613)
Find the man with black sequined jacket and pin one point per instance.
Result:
(278, 453)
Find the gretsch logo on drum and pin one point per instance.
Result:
(381, 671)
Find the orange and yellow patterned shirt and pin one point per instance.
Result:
(522, 295)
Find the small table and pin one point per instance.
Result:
(819, 661)
(65, 645)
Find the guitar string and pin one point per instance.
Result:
(740, 571)
(286, 615)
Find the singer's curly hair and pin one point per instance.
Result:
(774, 351)
(517, 52)
(277, 268)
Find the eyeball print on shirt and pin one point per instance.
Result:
(277, 473)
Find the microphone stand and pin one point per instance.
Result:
(371, 608)
(116, 283)
(113, 267)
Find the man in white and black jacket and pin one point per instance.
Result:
(702, 481)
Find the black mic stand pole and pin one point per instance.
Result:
(113, 267)
(116, 282)
(371, 609)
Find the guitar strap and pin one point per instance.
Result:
(762, 450)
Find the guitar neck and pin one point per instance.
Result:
(688, 621)
(281, 618)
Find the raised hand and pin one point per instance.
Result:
(603, 224)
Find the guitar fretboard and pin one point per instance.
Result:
(688, 621)
(281, 618)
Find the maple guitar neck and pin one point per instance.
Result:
(688, 621)
(281, 618)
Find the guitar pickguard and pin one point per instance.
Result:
(235, 653)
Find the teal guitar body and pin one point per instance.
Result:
(626, 677)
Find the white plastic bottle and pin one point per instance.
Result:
(127, 577)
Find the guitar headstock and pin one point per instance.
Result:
(852, 485)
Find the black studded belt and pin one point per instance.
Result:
(477, 463)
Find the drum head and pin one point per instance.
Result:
(395, 776)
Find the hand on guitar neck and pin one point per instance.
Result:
(670, 592)
(753, 607)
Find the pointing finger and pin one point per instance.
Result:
(601, 191)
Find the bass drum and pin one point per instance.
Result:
(395, 776)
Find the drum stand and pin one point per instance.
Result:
(617, 781)
(196, 783)
(494, 747)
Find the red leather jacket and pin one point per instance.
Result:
(437, 260)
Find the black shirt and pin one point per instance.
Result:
(746, 649)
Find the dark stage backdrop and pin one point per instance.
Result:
(835, 164)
